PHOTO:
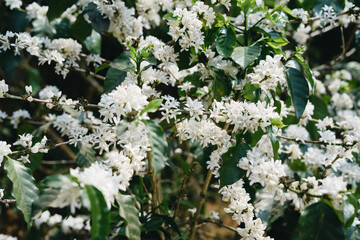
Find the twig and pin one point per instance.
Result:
(153, 189)
(308, 141)
(329, 166)
(219, 223)
(200, 203)
(57, 162)
(6, 202)
(181, 192)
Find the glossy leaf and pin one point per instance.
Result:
(86, 155)
(56, 8)
(306, 69)
(47, 196)
(319, 221)
(338, 5)
(353, 233)
(159, 146)
(100, 218)
(130, 214)
(153, 224)
(81, 29)
(244, 56)
(24, 188)
(152, 106)
(229, 171)
(299, 90)
(225, 41)
(93, 43)
(99, 23)
(222, 85)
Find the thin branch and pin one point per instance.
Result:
(58, 162)
(182, 188)
(200, 203)
(6, 202)
(329, 166)
(219, 223)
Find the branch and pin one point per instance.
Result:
(219, 223)
(181, 192)
(6, 202)
(200, 203)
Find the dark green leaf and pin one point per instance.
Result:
(153, 224)
(152, 106)
(306, 69)
(248, 91)
(56, 8)
(100, 218)
(159, 146)
(86, 155)
(353, 233)
(244, 56)
(81, 29)
(114, 78)
(34, 80)
(274, 142)
(24, 188)
(222, 85)
(169, 16)
(319, 222)
(225, 41)
(320, 108)
(130, 214)
(98, 21)
(338, 5)
(229, 171)
(351, 207)
(299, 90)
(296, 165)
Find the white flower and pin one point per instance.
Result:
(4, 88)
(4, 150)
(18, 115)
(25, 140)
(1, 193)
(194, 107)
(3, 115)
(327, 136)
(72, 223)
(302, 34)
(13, 4)
(34, 10)
(100, 177)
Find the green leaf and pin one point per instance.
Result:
(99, 23)
(34, 80)
(225, 41)
(93, 43)
(277, 122)
(351, 207)
(229, 171)
(47, 196)
(244, 56)
(169, 16)
(274, 142)
(152, 106)
(277, 42)
(153, 224)
(56, 180)
(222, 85)
(320, 108)
(338, 5)
(299, 90)
(353, 233)
(306, 69)
(248, 91)
(159, 146)
(81, 29)
(130, 214)
(114, 78)
(24, 188)
(100, 218)
(86, 155)
(56, 8)
(319, 221)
